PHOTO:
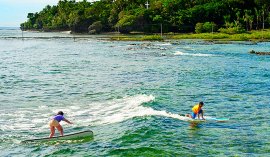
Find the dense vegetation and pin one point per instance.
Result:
(226, 16)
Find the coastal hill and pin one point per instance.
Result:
(151, 16)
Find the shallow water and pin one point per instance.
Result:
(130, 95)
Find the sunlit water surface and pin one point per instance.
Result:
(130, 94)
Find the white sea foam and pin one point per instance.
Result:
(164, 44)
(114, 111)
(66, 32)
(179, 53)
(96, 113)
(120, 110)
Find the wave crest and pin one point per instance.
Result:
(179, 53)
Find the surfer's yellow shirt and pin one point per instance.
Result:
(196, 109)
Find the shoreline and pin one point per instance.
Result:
(252, 36)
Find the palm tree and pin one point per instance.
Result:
(257, 13)
(247, 17)
(227, 20)
(251, 20)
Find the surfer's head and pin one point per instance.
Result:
(60, 113)
(201, 103)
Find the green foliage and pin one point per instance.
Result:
(253, 35)
(96, 27)
(199, 28)
(206, 27)
(125, 23)
(209, 27)
(174, 15)
(138, 38)
(232, 30)
(240, 37)
(157, 18)
(152, 37)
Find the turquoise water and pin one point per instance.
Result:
(130, 94)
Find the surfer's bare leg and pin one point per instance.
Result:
(60, 129)
(201, 114)
(52, 131)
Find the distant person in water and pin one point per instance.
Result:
(197, 111)
(55, 123)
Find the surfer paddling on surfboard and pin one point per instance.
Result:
(197, 110)
(55, 123)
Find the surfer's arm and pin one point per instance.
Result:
(67, 121)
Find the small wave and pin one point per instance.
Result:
(66, 32)
(152, 112)
(114, 111)
(119, 110)
(164, 44)
(179, 53)
(97, 113)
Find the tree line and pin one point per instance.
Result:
(228, 16)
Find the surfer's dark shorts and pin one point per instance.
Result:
(193, 115)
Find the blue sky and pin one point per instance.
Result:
(14, 12)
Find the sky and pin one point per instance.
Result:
(14, 12)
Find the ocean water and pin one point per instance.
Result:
(130, 95)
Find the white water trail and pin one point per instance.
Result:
(119, 110)
(179, 53)
(94, 114)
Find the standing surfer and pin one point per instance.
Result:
(55, 123)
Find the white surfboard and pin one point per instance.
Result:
(74, 136)
(207, 119)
